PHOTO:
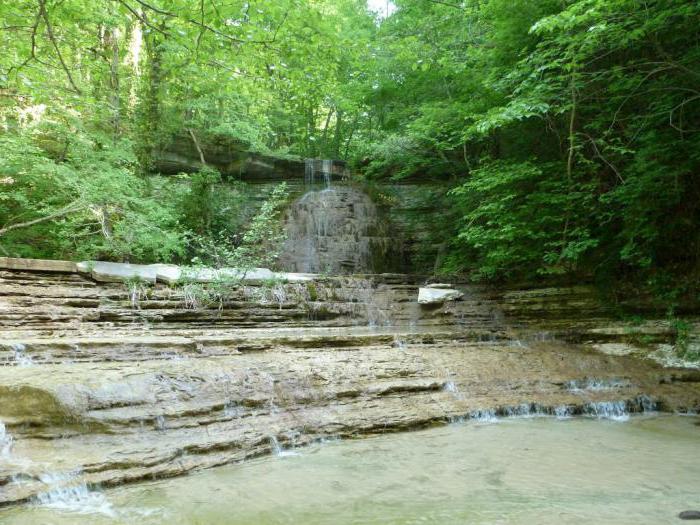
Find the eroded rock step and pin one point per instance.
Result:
(119, 422)
(131, 347)
(109, 385)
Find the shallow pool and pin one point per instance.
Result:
(531, 471)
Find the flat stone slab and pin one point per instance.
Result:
(170, 274)
(615, 348)
(428, 295)
(118, 272)
(37, 265)
(441, 286)
(295, 277)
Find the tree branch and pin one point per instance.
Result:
(157, 10)
(71, 208)
(142, 19)
(207, 27)
(49, 31)
(196, 145)
(456, 6)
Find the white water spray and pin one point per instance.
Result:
(279, 451)
(5, 442)
(19, 355)
(614, 410)
(483, 415)
(67, 493)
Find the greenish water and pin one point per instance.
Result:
(530, 471)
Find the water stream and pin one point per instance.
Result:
(532, 470)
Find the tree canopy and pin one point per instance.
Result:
(567, 131)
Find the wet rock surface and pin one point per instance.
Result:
(437, 294)
(337, 230)
(111, 385)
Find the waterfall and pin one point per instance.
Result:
(524, 410)
(483, 415)
(278, 450)
(19, 354)
(336, 230)
(66, 492)
(326, 171)
(452, 388)
(562, 411)
(615, 410)
(309, 171)
(5, 442)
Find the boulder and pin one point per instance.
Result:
(429, 295)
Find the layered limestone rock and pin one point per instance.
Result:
(109, 383)
(337, 230)
(229, 157)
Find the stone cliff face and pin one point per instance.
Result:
(109, 383)
(229, 158)
(401, 208)
(338, 230)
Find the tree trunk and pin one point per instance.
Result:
(338, 134)
(352, 132)
(196, 145)
(112, 50)
(325, 129)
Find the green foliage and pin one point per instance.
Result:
(522, 216)
(92, 92)
(569, 131)
(573, 130)
(682, 330)
(258, 247)
(101, 209)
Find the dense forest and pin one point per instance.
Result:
(567, 131)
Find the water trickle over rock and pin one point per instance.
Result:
(335, 230)
(5, 441)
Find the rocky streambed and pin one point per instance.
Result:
(106, 384)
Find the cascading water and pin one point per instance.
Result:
(278, 450)
(18, 355)
(336, 230)
(562, 411)
(66, 492)
(483, 415)
(615, 410)
(311, 169)
(5, 442)
(524, 410)
(327, 170)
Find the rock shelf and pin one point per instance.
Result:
(113, 389)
